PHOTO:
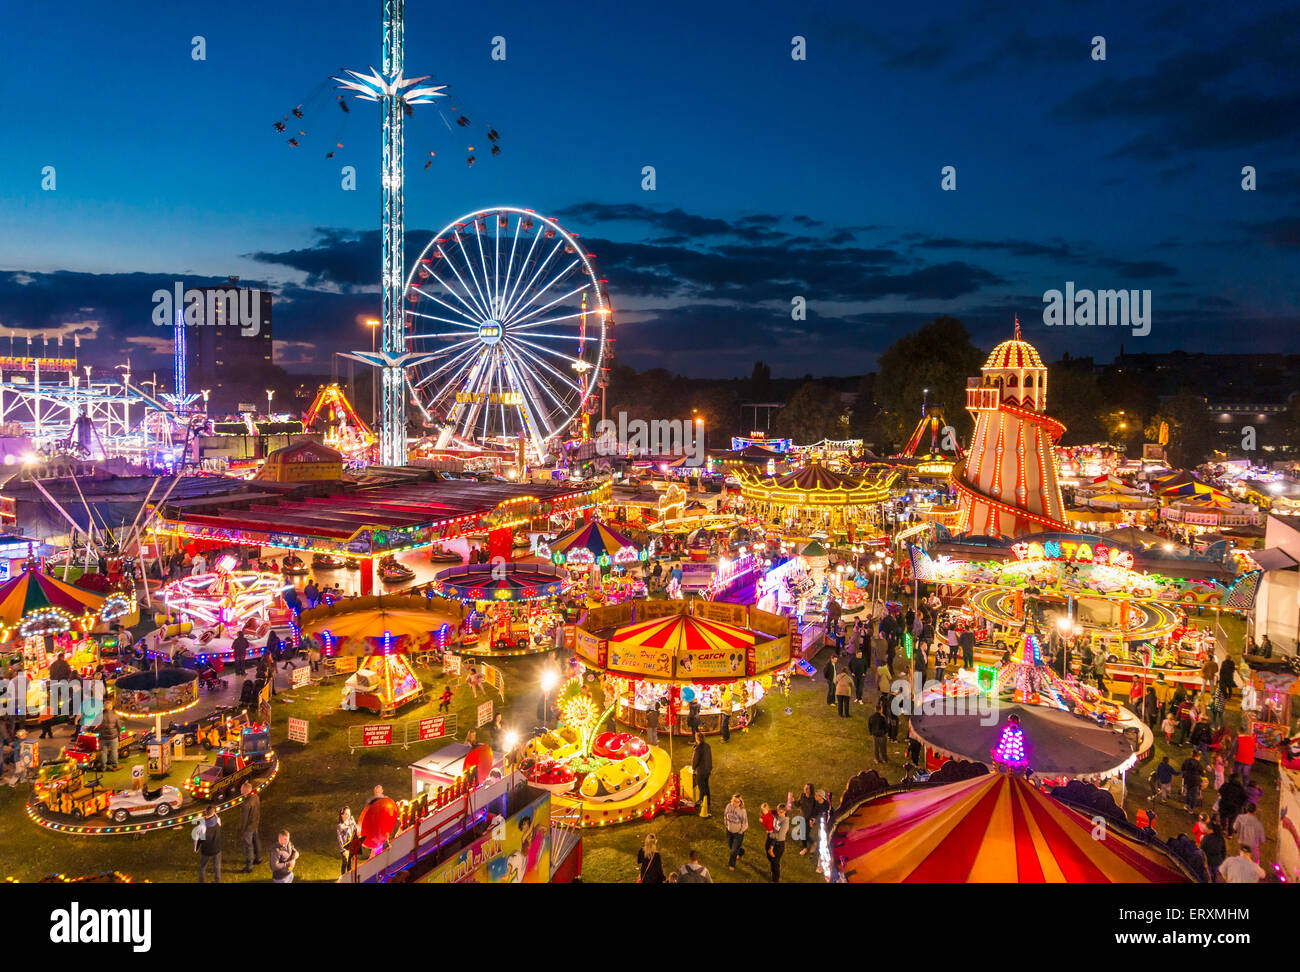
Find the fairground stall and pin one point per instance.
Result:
(603, 557)
(512, 609)
(675, 653)
(382, 634)
(41, 618)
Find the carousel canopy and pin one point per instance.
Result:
(995, 828)
(32, 590)
(1059, 743)
(684, 632)
(816, 485)
(501, 582)
(594, 537)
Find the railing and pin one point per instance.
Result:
(400, 733)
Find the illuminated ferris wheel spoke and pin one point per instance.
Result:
(524, 313)
(532, 357)
(473, 314)
(483, 265)
(508, 354)
(527, 292)
(481, 303)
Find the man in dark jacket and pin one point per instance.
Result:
(701, 767)
(210, 845)
(239, 647)
(1232, 797)
(967, 642)
(250, 819)
(1227, 677)
(828, 673)
(1193, 775)
(878, 726)
(858, 668)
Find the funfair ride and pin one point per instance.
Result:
(510, 317)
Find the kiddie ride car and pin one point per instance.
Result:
(391, 571)
(221, 779)
(85, 748)
(61, 787)
(162, 802)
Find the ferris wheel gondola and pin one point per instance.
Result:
(514, 316)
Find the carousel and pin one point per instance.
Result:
(693, 659)
(818, 499)
(513, 608)
(602, 558)
(377, 635)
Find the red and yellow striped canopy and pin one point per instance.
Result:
(32, 590)
(684, 632)
(990, 829)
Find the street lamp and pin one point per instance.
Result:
(206, 393)
(270, 392)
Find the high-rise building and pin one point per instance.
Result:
(1006, 486)
(230, 353)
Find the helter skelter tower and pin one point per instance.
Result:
(394, 94)
(1006, 486)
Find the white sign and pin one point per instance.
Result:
(451, 664)
(485, 713)
(298, 730)
(300, 677)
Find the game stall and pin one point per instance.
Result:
(679, 652)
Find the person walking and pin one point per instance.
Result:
(843, 692)
(209, 845)
(1193, 777)
(858, 668)
(1249, 831)
(967, 642)
(809, 813)
(1164, 779)
(736, 820)
(878, 727)
(1232, 797)
(250, 819)
(652, 722)
(727, 706)
(346, 832)
(1209, 673)
(1228, 677)
(693, 872)
(1215, 849)
(776, 841)
(650, 866)
(828, 673)
(239, 648)
(1241, 869)
(701, 767)
(1244, 757)
(283, 858)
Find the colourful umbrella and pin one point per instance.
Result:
(991, 829)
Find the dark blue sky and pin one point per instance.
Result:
(776, 178)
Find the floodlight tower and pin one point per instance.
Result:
(393, 93)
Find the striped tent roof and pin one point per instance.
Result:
(1013, 354)
(991, 829)
(32, 590)
(684, 632)
(596, 537)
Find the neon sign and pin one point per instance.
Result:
(1073, 551)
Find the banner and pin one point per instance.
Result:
(515, 851)
(433, 728)
(636, 660)
(379, 734)
(589, 647)
(716, 663)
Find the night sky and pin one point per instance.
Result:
(775, 177)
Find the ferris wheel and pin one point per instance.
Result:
(512, 316)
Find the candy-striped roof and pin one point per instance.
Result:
(1014, 354)
(991, 829)
(684, 632)
(32, 590)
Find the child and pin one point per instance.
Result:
(1218, 773)
(1168, 727)
(1200, 828)
(444, 703)
(767, 818)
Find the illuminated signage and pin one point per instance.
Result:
(495, 398)
(1073, 551)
